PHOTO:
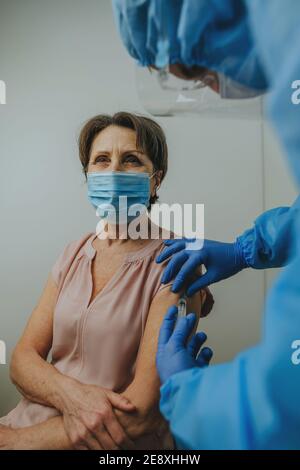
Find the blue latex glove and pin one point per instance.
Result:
(221, 260)
(173, 353)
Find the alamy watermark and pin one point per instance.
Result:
(164, 221)
(295, 97)
(2, 92)
(295, 357)
(2, 353)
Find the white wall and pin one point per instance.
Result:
(63, 62)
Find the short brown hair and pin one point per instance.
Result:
(150, 138)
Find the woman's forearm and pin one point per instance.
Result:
(36, 379)
(49, 435)
(144, 393)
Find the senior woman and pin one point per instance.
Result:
(99, 314)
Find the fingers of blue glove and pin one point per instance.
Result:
(207, 353)
(174, 266)
(186, 271)
(200, 283)
(183, 329)
(204, 357)
(167, 252)
(167, 325)
(171, 241)
(196, 343)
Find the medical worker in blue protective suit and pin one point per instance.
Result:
(253, 401)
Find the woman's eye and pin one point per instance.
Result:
(101, 159)
(132, 159)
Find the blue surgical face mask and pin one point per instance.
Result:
(119, 196)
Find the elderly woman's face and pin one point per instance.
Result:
(114, 149)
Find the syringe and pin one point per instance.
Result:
(182, 307)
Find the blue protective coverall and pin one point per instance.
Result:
(253, 402)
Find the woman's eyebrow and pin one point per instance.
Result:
(134, 151)
(97, 151)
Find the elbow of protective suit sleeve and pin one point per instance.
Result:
(268, 243)
(202, 405)
(170, 390)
